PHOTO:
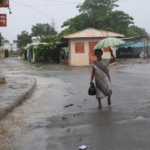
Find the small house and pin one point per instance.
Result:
(81, 46)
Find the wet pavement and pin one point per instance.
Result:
(38, 124)
(14, 92)
(12, 64)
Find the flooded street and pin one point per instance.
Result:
(39, 124)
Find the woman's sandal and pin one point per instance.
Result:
(100, 106)
(109, 102)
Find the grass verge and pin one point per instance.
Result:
(44, 64)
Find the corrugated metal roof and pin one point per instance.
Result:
(138, 37)
(93, 33)
(133, 45)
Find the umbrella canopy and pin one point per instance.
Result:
(109, 42)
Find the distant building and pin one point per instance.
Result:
(11, 46)
(136, 48)
(81, 46)
(35, 39)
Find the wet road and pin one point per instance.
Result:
(11, 64)
(37, 123)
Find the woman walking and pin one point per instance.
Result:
(100, 71)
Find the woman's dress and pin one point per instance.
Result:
(102, 78)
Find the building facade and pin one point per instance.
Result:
(11, 46)
(81, 46)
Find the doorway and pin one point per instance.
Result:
(92, 56)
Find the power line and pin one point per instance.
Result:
(43, 5)
(62, 1)
(8, 34)
(37, 10)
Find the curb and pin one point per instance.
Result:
(18, 101)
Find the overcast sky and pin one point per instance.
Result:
(23, 17)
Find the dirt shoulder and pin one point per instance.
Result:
(14, 92)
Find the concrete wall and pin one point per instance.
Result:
(35, 39)
(82, 59)
(2, 55)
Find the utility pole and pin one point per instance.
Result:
(94, 24)
(144, 47)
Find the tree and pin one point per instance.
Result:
(23, 39)
(118, 21)
(41, 29)
(68, 31)
(47, 46)
(140, 31)
(15, 41)
(100, 13)
(131, 33)
(3, 40)
(99, 5)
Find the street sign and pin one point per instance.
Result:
(4, 3)
(3, 20)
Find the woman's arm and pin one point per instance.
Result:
(92, 75)
(113, 58)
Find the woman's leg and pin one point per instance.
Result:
(109, 100)
(99, 101)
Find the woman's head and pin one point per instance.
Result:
(98, 53)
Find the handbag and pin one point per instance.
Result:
(92, 90)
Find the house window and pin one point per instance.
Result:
(106, 49)
(79, 47)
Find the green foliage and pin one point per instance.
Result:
(119, 21)
(23, 39)
(100, 5)
(44, 64)
(138, 30)
(101, 13)
(15, 54)
(15, 41)
(39, 29)
(3, 40)
(47, 46)
(78, 23)
(68, 31)
(131, 33)
(23, 51)
(43, 29)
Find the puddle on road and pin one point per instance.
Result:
(18, 130)
(139, 118)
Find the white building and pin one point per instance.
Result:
(11, 46)
(35, 39)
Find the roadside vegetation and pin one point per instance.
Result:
(44, 64)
